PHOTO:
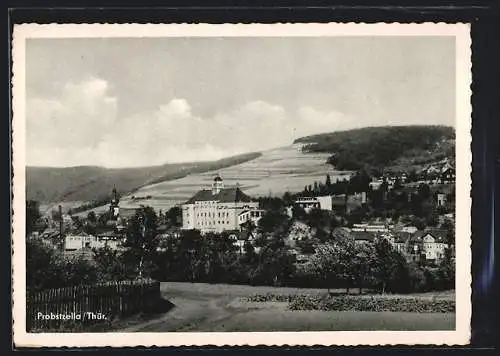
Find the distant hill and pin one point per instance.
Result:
(88, 183)
(382, 147)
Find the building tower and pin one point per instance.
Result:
(217, 185)
(114, 208)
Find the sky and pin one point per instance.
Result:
(146, 101)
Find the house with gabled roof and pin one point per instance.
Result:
(424, 245)
(433, 246)
(361, 237)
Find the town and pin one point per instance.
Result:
(253, 182)
(224, 235)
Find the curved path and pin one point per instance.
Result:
(213, 308)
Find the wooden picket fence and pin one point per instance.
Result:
(81, 305)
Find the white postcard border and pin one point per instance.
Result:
(460, 336)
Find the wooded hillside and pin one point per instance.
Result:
(87, 183)
(379, 147)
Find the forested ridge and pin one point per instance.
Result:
(379, 147)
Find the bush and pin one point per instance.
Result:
(47, 268)
(269, 297)
(350, 303)
(357, 303)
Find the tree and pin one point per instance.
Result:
(357, 215)
(218, 256)
(397, 183)
(173, 217)
(103, 218)
(248, 228)
(32, 215)
(449, 227)
(77, 223)
(288, 198)
(41, 263)
(274, 222)
(249, 255)
(390, 267)
(333, 262)
(46, 268)
(424, 191)
(276, 264)
(363, 265)
(141, 239)
(328, 181)
(91, 217)
(359, 182)
(189, 255)
(109, 264)
(298, 213)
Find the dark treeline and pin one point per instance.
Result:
(263, 257)
(377, 147)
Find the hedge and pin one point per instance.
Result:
(359, 303)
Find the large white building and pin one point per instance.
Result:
(219, 209)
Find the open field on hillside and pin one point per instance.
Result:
(85, 183)
(273, 173)
(212, 308)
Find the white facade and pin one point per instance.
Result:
(253, 215)
(309, 203)
(77, 242)
(432, 249)
(441, 199)
(219, 209)
(188, 219)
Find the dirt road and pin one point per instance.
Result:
(212, 308)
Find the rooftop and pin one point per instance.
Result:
(362, 236)
(226, 195)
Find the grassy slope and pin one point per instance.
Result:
(86, 183)
(384, 146)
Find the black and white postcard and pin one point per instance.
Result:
(241, 184)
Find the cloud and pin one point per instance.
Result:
(66, 128)
(81, 127)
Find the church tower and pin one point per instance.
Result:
(114, 208)
(217, 185)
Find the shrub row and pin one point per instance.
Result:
(351, 303)
(357, 303)
(269, 297)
